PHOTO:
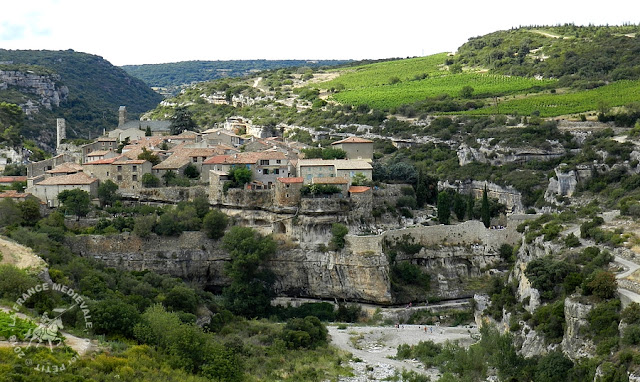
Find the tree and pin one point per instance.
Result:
(485, 210)
(169, 177)
(459, 206)
(169, 224)
(147, 131)
(603, 285)
(149, 155)
(240, 176)
(107, 193)
(10, 212)
(76, 201)
(114, 317)
(466, 92)
(144, 225)
(444, 207)
(339, 231)
(191, 171)
(181, 298)
(150, 180)
(30, 210)
(250, 291)
(181, 121)
(214, 223)
(471, 202)
(201, 204)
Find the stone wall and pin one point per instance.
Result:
(167, 194)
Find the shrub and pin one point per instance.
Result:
(214, 224)
(306, 332)
(339, 231)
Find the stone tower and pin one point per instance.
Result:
(122, 115)
(61, 131)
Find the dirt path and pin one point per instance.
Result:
(375, 344)
(19, 255)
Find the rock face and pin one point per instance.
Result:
(192, 256)
(508, 196)
(485, 152)
(44, 86)
(575, 343)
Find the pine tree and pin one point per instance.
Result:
(485, 211)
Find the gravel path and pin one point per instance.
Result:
(375, 344)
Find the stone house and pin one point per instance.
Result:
(128, 172)
(287, 191)
(48, 189)
(101, 154)
(222, 137)
(15, 195)
(100, 144)
(266, 166)
(356, 148)
(101, 169)
(9, 180)
(176, 163)
(37, 170)
(319, 168)
(133, 133)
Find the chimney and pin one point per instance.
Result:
(122, 115)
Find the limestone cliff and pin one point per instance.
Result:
(45, 87)
(304, 273)
(575, 343)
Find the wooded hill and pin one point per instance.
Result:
(96, 90)
(177, 74)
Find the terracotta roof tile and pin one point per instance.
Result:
(65, 168)
(290, 180)
(104, 161)
(11, 179)
(358, 189)
(13, 194)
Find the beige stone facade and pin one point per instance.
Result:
(356, 148)
(287, 191)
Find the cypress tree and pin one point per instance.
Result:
(485, 211)
(444, 207)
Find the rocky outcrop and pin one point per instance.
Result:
(45, 87)
(496, 155)
(575, 342)
(191, 256)
(507, 195)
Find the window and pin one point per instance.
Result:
(265, 171)
(107, 173)
(287, 187)
(264, 162)
(276, 171)
(103, 144)
(135, 168)
(287, 195)
(134, 177)
(119, 178)
(195, 159)
(278, 161)
(119, 168)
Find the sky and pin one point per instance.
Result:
(149, 32)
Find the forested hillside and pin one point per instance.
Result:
(95, 91)
(175, 74)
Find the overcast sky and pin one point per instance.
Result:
(147, 32)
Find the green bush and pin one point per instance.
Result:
(306, 332)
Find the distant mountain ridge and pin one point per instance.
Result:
(91, 89)
(176, 74)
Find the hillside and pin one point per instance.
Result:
(175, 75)
(84, 89)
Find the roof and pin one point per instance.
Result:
(352, 140)
(314, 162)
(217, 159)
(106, 139)
(352, 165)
(98, 153)
(290, 180)
(358, 189)
(172, 163)
(79, 178)
(65, 168)
(103, 161)
(11, 179)
(13, 194)
(129, 161)
(331, 180)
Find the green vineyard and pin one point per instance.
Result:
(484, 85)
(619, 93)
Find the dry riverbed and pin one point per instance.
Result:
(374, 345)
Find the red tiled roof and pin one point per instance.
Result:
(65, 168)
(353, 140)
(290, 180)
(71, 179)
(11, 179)
(218, 159)
(358, 189)
(13, 194)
